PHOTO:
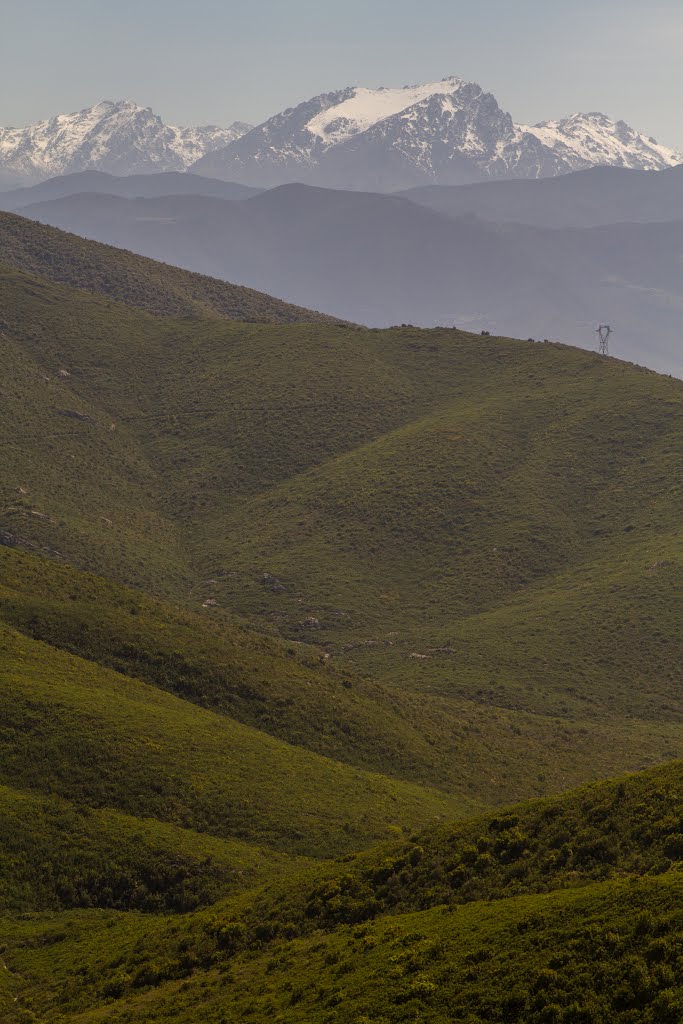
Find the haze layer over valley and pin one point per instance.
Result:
(547, 258)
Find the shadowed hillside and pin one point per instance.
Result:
(166, 183)
(591, 198)
(137, 282)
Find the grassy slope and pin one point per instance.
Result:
(565, 910)
(88, 745)
(215, 662)
(55, 855)
(536, 467)
(476, 503)
(487, 528)
(100, 739)
(135, 280)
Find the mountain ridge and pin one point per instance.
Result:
(131, 186)
(383, 259)
(109, 136)
(592, 197)
(447, 132)
(170, 291)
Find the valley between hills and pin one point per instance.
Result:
(341, 666)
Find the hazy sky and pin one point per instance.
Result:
(202, 61)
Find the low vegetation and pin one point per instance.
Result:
(292, 617)
(58, 855)
(134, 280)
(99, 739)
(285, 689)
(564, 910)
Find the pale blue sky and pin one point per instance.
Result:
(201, 61)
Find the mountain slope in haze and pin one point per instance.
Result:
(168, 183)
(444, 513)
(133, 280)
(514, 917)
(378, 260)
(592, 198)
(119, 137)
(448, 132)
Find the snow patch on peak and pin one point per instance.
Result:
(367, 107)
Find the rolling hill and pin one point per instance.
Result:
(141, 283)
(293, 614)
(565, 910)
(381, 260)
(87, 735)
(460, 519)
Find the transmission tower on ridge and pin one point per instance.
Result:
(603, 332)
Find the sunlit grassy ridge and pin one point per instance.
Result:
(131, 797)
(217, 662)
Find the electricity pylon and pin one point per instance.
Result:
(603, 332)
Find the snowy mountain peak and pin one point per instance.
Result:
(587, 140)
(117, 136)
(385, 139)
(106, 106)
(448, 132)
(366, 107)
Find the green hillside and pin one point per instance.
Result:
(607, 953)
(55, 854)
(303, 629)
(485, 529)
(565, 910)
(217, 663)
(99, 739)
(134, 280)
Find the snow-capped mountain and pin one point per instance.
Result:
(587, 140)
(120, 138)
(446, 132)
